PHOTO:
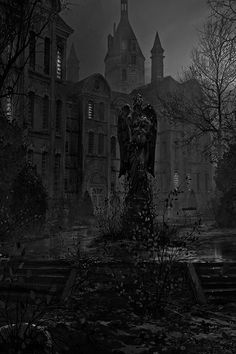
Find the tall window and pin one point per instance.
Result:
(44, 164)
(45, 112)
(32, 50)
(124, 75)
(47, 50)
(31, 108)
(100, 143)
(133, 59)
(176, 179)
(57, 165)
(58, 115)
(113, 147)
(90, 110)
(90, 142)
(59, 61)
(101, 111)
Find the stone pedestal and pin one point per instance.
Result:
(138, 214)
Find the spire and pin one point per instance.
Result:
(73, 65)
(157, 60)
(124, 8)
(157, 48)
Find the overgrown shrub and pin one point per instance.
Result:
(225, 178)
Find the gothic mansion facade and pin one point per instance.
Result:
(73, 122)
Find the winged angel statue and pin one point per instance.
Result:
(137, 131)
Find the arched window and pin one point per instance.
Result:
(47, 50)
(100, 143)
(101, 111)
(45, 112)
(58, 115)
(31, 98)
(113, 147)
(90, 109)
(90, 142)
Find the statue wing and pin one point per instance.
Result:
(151, 115)
(124, 139)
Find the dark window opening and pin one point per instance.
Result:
(47, 55)
(58, 116)
(45, 112)
(100, 143)
(90, 142)
(133, 59)
(101, 111)
(113, 147)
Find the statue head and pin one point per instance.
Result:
(137, 104)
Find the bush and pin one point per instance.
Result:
(28, 198)
(226, 184)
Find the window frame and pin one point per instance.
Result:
(91, 140)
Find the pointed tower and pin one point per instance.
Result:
(73, 65)
(157, 60)
(124, 61)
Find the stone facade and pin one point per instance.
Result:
(72, 124)
(45, 76)
(98, 101)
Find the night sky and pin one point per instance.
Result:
(176, 21)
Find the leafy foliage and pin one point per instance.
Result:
(25, 205)
(28, 195)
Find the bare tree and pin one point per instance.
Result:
(224, 8)
(206, 99)
(21, 24)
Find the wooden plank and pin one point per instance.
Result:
(69, 284)
(196, 285)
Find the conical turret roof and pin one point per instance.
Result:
(157, 47)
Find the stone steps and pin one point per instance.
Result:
(18, 278)
(218, 281)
